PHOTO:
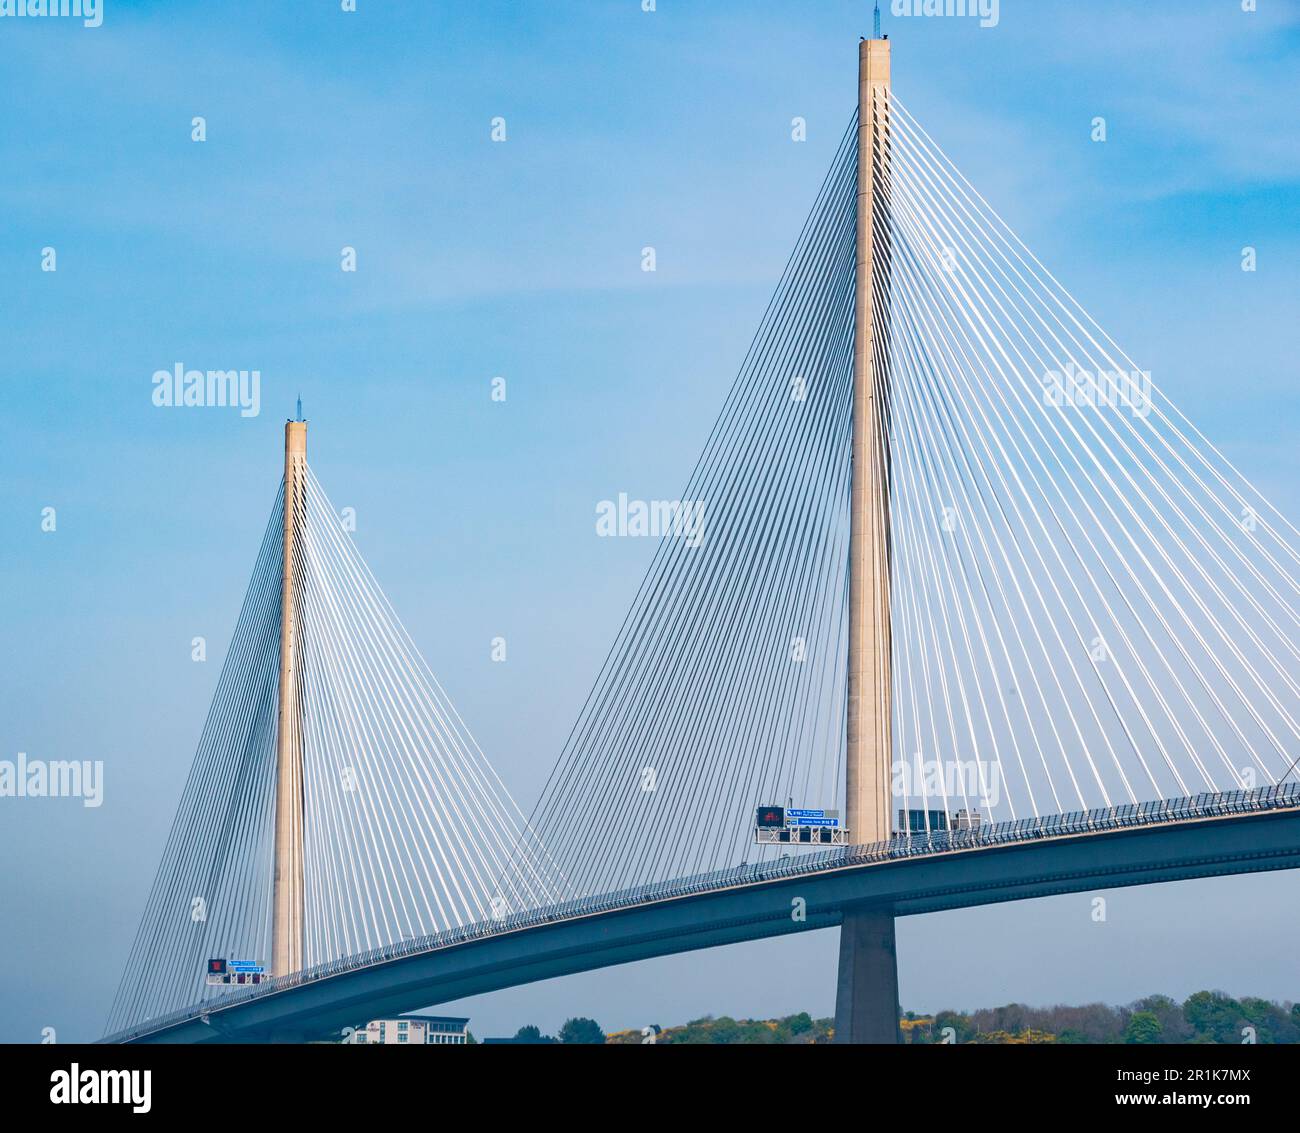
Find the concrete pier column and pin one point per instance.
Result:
(866, 1000)
(866, 1008)
(287, 917)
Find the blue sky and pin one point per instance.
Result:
(479, 259)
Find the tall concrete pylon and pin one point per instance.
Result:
(866, 1001)
(286, 928)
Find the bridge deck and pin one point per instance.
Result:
(1208, 835)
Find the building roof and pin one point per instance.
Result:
(430, 1019)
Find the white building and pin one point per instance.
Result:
(414, 1030)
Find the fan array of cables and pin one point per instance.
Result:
(725, 686)
(406, 828)
(1091, 606)
(211, 896)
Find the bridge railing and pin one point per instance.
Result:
(1282, 796)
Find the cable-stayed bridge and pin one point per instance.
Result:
(959, 572)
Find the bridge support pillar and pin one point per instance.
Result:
(287, 897)
(866, 1002)
(866, 997)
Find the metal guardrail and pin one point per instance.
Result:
(1283, 796)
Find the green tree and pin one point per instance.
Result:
(581, 1030)
(1263, 1016)
(530, 1034)
(1143, 1027)
(957, 1021)
(724, 1030)
(1173, 1025)
(1215, 1017)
